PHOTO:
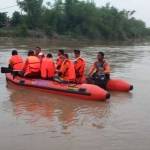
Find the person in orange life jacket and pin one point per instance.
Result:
(41, 56)
(79, 65)
(16, 61)
(32, 65)
(48, 67)
(37, 51)
(67, 71)
(100, 71)
(59, 59)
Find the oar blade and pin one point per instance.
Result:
(5, 70)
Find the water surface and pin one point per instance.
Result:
(34, 120)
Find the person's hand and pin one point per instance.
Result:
(59, 73)
(89, 76)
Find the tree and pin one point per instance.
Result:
(33, 9)
(16, 19)
(80, 18)
(3, 19)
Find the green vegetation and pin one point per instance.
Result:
(73, 18)
(3, 19)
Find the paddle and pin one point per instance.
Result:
(5, 70)
(14, 72)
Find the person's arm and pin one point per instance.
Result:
(78, 66)
(107, 68)
(92, 69)
(10, 64)
(63, 69)
(82, 68)
(25, 65)
(59, 62)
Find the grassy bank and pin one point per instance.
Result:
(27, 43)
(23, 32)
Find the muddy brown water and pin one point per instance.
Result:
(34, 120)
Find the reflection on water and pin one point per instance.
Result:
(35, 120)
(35, 106)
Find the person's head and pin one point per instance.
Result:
(100, 56)
(14, 52)
(37, 51)
(60, 52)
(30, 53)
(77, 53)
(66, 56)
(49, 55)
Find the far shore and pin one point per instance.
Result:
(63, 42)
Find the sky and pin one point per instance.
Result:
(140, 6)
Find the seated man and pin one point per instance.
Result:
(100, 71)
(41, 56)
(59, 60)
(79, 65)
(47, 67)
(38, 50)
(32, 65)
(67, 71)
(16, 61)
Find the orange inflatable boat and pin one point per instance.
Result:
(81, 91)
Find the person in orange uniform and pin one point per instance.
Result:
(59, 60)
(41, 56)
(16, 61)
(79, 65)
(37, 51)
(48, 67)
(32, 65)
(100, 71)
(67, 71)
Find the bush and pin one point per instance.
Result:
(22, 30)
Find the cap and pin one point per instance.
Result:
(41, 54)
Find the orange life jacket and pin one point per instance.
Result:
(67, 70)
(16, 62)
(98, 67)
(59, 62)
(47, 68)
(32, 65)
(79, 66)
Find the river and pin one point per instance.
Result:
(33, 120)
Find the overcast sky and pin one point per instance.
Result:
(142, 7)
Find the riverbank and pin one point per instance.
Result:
(23, 33)
(62, 41)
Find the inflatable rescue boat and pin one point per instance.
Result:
(118, 85)
(81, 91)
